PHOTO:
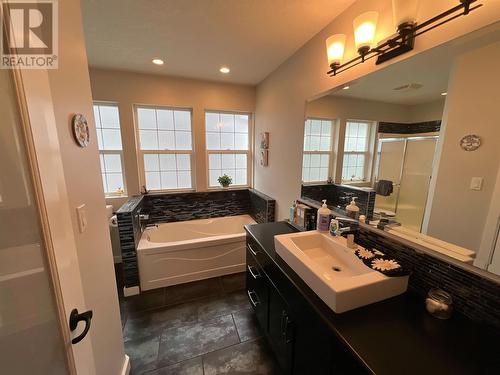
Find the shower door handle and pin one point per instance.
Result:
(76, 317)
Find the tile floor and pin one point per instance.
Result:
(201, 328)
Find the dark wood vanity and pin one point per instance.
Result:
(395, 336)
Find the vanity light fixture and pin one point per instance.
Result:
(365, 26)
(335, 49)
(224, 69)
(158, 61)
(444, 93)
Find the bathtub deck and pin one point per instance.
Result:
(195, 328)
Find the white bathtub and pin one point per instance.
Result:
(179, 252)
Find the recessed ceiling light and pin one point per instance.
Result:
(158, 61)
(444, 93)
(345, 88)
(224, 69)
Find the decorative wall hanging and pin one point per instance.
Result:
(80, 129)
(264, 149)
(264, 157)
(470, 142)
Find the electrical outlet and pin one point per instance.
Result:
(81, 214)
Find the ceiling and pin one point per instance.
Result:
(430, 69)
(196, 37)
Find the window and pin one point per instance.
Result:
(228, 140)
(166, 147)
(356, 151)
(109, 141)
(317, 157)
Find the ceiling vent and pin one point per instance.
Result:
(408, 87)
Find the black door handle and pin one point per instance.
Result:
(74, 318)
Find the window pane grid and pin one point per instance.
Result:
(166, 143)
(227, 144)
(110, 147)
(356, 151)
(317, 150)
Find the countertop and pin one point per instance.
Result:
(397, 335)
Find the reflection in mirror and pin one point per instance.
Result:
(393, 140)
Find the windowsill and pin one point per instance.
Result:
(235, 187)
(115, 196)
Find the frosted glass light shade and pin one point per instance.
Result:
(335, 48)
(404, 11)
(365, 26)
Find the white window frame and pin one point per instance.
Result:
(141, 153)
(112, 152)
(368, 153)
(248, 153)
(331, 153)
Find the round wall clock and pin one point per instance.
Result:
(80, 129)
(470, 142)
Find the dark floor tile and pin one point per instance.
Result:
(246, 324)
(145, 301)
(248, 358)
(190, 367)
(234, 282)
(153, 322)
(212, 307)
(143, 353)
(180, 343)
(194, 290)
(123, 311)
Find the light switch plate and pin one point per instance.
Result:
(81, 214)
(476, 183)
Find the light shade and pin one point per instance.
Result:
(335, 48)
(404, 11)
(365, 26)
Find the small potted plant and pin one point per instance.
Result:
(225, 181)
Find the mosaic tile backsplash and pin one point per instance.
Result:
(164, 208)
(474, 296)
(415, 128)
(339, 196)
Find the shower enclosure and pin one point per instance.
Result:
(407, 162)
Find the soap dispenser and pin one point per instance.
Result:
(323, 221)
(352, 209)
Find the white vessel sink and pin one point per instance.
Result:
(334, 272)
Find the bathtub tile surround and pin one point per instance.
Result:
(181, 207)
(414, 128)
(474, 296)
(129, 231)
(337, 195)
(210, 335)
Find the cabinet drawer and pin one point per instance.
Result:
(257, 290)
(258, 253)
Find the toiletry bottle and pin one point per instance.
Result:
(293, 209)
(352, 209)
(334, 227)
(323, 221)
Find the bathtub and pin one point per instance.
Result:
(179, 252)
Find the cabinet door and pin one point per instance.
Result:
(281, 330)
(258, 291)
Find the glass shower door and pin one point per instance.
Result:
(390, 162)
(415, 179)
(31, 340)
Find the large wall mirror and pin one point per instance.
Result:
(418, 143)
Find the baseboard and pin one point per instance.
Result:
(126, 366)
(132, 291)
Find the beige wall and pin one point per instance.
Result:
(70, 88)
(281, 97)
(456, 213)
(128, 89)
(426, 111)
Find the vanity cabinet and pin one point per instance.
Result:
(301, 341)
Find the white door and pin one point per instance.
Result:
(39, 274)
